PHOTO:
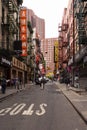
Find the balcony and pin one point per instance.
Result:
(65, 43)
(83, 40)
(80, 54)
(64, 27)
(60, 38)
(60, 47)
(60, 59)
(5, 26)
(5, 1)
(65, 60)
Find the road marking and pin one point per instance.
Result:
(42, 111)
(29, 111)
(6, 110)
(16, 108)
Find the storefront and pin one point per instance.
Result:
(18, 70)
(5, 66)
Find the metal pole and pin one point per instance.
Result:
(73, 48)
(0, 21)
(34, 71)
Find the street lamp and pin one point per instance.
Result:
(73, 48)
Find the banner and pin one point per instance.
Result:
(23, 30)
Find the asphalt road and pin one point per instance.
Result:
(36, 109)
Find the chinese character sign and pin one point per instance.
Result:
(23, 30)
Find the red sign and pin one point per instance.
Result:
(23, 30)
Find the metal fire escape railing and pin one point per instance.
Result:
(60, 39)
(12, 17)
(11, 24)
(65, 42)
(80, 15)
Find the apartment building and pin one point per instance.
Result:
(9, 32)
(47, 48)
(37, 22)
(76, 33)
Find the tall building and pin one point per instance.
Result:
(47, 48)
(33, 40)
(37, 23)
(10, 66)
(75, 49)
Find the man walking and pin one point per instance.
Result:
(3, 84)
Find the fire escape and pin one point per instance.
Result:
(81, 23)
(63, 43)
(13, 21)
(60, 39)
(10, 21)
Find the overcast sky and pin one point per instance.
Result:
(51, 11)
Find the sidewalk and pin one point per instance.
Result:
(78, 100)
(10, 91)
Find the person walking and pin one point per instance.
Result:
(3, 84)
(17, 83)
(42, 80)
(67, 82)
(20, 80)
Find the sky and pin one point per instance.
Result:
(49, 10)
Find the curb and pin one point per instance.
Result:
(74, 106)
(6, 96)
(12, 93)
(78, 111)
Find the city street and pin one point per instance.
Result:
(37, 109)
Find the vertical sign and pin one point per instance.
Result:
(56, 51)
(23, 30)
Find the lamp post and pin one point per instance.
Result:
(46, 60)
(73, 48)
(0, 21)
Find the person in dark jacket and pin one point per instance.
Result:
(67, 82)
(42, 81)
(3, 84)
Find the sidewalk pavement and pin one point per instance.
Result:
(77, 97)
(11, 90)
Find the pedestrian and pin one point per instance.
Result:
(17, 83)
(0, 85)
(42, 80)
(67, 82)
(20, 82)
(76, 81)
(14, 83)
(3, 84)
